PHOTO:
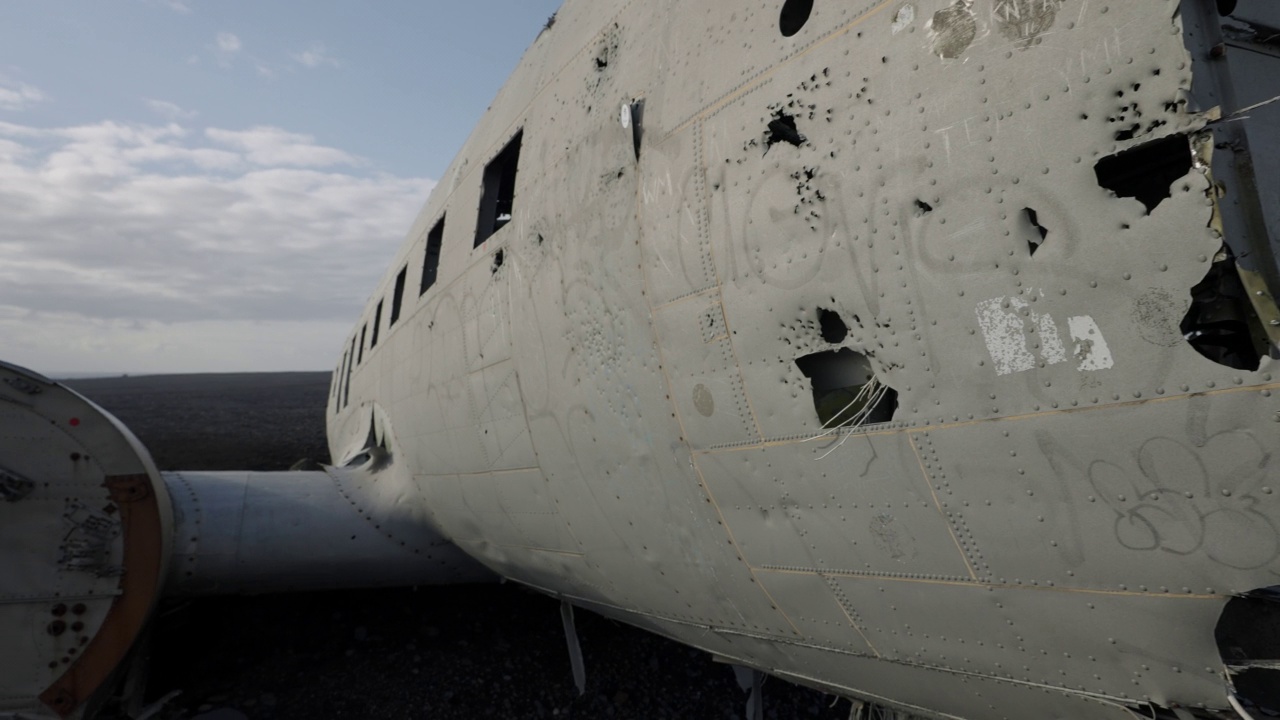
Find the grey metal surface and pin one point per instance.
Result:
(1005, 203)
(80, 565)
(922, 352)
(278, 532)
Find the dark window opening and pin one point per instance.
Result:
(795, 13)
(346, 385)
(397, 298)
(337, 381)
(832, 325)
(1033, 243)
(431, 259)
(377, 322)
(1222, 324)
(497, 261)
(1146, 171)
(637, 125)
(498, 191)
(364, 332)
(1248, 637)
(846, 391)
(782, 128)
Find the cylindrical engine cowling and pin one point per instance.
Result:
(250, 532)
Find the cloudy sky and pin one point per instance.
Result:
(216, 185)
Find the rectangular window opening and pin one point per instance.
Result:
(346, 383)
(398, 297)
(498, 190)
(431, 260)
(377, 321)
(337, 382)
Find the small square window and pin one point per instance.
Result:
(346, 383)
(431, 260)
(337, 382)
(397, 298)
(377, 321)
(498, 191)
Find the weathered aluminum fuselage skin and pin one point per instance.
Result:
(602, 401)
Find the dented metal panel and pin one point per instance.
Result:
(916, 350)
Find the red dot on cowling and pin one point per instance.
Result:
(74, 422)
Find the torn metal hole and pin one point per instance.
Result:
(846, 391)
(1128, 133)
(795, 13)
(1248, 637)
(782, 128)
(1222, 324)
(497, 260)
(833, 328)
(924, 207)
(1146, 172)
(1032, 243)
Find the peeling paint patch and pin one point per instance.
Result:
(86, 546)
(1156, 315)
(1020, 339)
(903, 19)
(1090, 347)
(952, 30)
(1003, 331)
(1051, 348)
(703, 400)
(1025, 21)
(893, 538)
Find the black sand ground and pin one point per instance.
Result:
(464, 652)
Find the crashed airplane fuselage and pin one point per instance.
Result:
(921, 352)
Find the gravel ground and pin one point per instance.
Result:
(493, 651)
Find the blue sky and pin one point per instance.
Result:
(216, 185)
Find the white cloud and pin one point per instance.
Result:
(170, 111)
(154, 247)
(273, 146)
(228, 43)
(315, 57)
(226, 47)
(179, 6)
(16, 95)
